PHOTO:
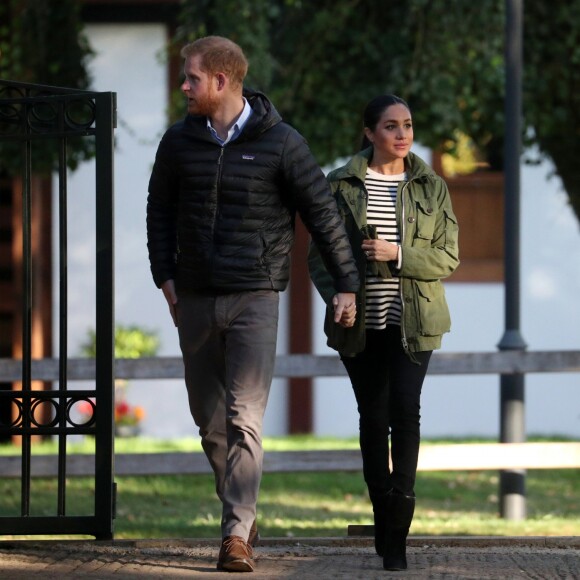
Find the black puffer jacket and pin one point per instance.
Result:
(222, 218)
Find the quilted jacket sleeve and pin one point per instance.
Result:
(162, 216)
(312, 198)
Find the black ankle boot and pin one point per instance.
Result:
(400, 510)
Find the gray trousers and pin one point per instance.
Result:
(228, 344)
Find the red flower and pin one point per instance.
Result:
(85, 407)
(122, 408)
(125, 414)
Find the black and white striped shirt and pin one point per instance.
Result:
(383, 301)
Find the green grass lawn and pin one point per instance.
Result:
(307, 504)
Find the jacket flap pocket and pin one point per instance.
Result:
(430, 291)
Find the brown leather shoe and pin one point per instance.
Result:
(254, 535)
(235, 555)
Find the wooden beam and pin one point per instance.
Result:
(484, 456)
(307, 365)
(300, 404)
(432, 457)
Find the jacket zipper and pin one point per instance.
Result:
(403, 330)
(219, 178)
(218, 188)
(404, 342)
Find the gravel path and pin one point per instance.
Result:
(437, 558)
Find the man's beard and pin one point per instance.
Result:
(206, 105)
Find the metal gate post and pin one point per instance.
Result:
(105, 324)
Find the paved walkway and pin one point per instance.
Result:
(279, 558)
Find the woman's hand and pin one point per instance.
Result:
(380, 250)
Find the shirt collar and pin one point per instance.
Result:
(236, 128)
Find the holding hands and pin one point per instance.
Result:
(344, 308)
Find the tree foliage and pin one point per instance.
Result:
(41, 42)
(320, 62)
(130, 342)
(552, 87)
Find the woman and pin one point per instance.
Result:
(404, 235)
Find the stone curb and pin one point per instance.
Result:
(331, 542)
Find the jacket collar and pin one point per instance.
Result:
(264, 116)
(357, 166)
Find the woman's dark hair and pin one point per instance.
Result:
(374, 110)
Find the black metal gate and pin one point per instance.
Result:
(34, 117)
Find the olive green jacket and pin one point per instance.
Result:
(429, 246)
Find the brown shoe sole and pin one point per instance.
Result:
(241, 565)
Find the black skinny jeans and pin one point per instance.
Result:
(387, 386)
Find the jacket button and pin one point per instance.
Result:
(430, 210)
(411, 219)
(408, 299)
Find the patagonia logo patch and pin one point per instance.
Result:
(248, 157)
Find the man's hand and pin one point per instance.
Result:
(168, 288)
(344, 308)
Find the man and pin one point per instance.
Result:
(223, 194)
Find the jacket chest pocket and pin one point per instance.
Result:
(424, 221)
